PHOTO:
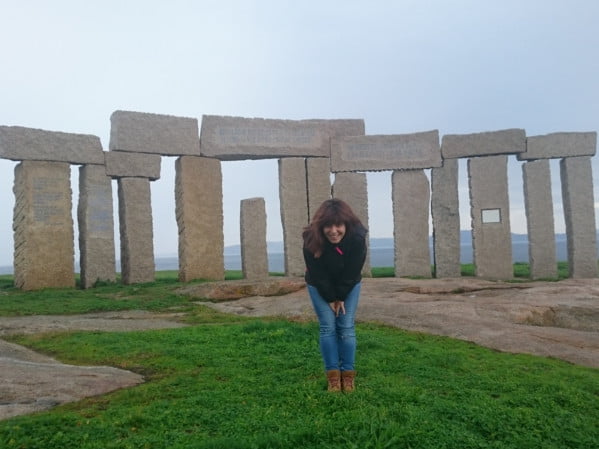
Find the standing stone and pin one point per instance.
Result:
(489, 209)
(539, 219)
(293, 195)
(411, 199)
(137, 235)
(199, 210)
(96, 226)
(579, 212)
(319, 182)
(353, 189)
(254, 255)
(445, 210)
(43, 226)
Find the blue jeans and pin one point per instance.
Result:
(337, 333)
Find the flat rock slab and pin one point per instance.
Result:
(32, 382)
(227, 290)
(553, 319)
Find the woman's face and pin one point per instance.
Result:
(334, 233)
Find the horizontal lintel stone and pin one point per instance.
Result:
(239, 138)
(29, 144)
(559, 145)
(141, 132)
(120, 164)
(506, 141)
(386, 152)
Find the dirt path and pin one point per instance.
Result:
(550, 319)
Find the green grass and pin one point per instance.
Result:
(260, 384)
(250, 383)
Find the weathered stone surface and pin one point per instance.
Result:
(254, 255)
(353, 189)
(489, 209)
(199, 211)
(341, 127)
(558, 145)
(538, 202)
(137, 235)
(43, 226)
(318, 175)
(579, 212)
(411, 200)
(386, 152)
(238, 138)
(225, 291)
(507, 141)
(132, 165)
(445, 210)
(96, 226)
(293, 195)
(140, 132)
(21, 144)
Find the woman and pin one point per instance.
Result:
(334, 252)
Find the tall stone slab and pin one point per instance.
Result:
(489, 210)
(445, 210)
(411, 200)
(140, 132)
(137, 234)
(385, 152)
(96, 226)
(318, 175)
(43, 226)
(353, 189)
(293, 195)
(254, 255)
(579, 212)
(538, 202)
(199, 211)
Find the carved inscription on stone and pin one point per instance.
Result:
(237, 138)
(100, 211)
(386, 152)
(48, 201)
(268, 137)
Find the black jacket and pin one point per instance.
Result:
(339, 268)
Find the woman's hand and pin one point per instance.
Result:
(338, 306)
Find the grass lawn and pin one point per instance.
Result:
(256, 383)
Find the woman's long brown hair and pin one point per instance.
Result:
(331, 212)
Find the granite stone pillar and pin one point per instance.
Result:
(254, 254)
(445, 210)
(318, 174)
(96, 226)
(353, 189)
(411, 200)
(539, 219)
(43, 226)
(489, 210)
(579, 212)
(199, 210)
(293, 195)
(137, 235)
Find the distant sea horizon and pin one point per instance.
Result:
(382, 254)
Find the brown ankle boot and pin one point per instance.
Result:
(334, 380)
(347, 380)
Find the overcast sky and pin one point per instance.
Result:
(403, 66)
